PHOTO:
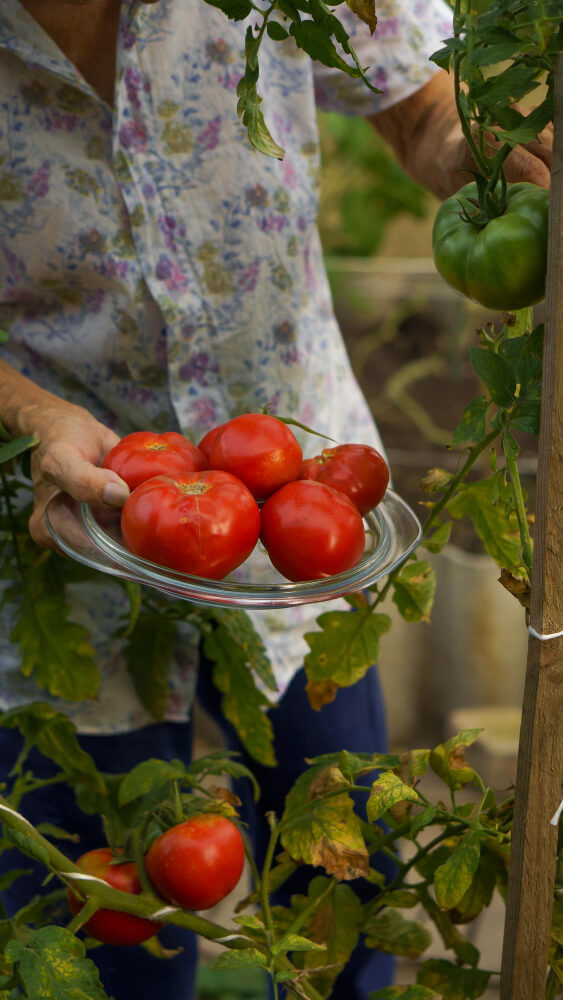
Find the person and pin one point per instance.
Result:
(158, 273)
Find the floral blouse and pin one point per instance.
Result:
(158, 271)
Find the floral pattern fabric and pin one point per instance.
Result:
(158, 271)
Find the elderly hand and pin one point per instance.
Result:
(425, 133)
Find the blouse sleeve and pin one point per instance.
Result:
(396, 57)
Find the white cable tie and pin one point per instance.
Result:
(228, 937)
(163, 912)
(542, 636)
(84, 875)
(9, 809)
(557, 814)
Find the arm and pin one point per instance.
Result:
(72, 445)
(425, 134)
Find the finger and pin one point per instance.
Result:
(68, 471)
(522, 165)
(37, 524)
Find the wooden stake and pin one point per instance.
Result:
(539, 788)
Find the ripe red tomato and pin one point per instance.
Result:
(196, 863)
(260, 450)
(206, 442)
(311, 531)
(142, 455)
(204, 523)
(357, 470)
(111, 926)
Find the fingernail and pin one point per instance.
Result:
(114, 494)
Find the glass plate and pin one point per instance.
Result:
(92, 536)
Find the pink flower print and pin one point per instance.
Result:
(218, 51)
(289, 175)
(133, 135)
(163, 268)
(229, 80)
(38, 186)
(177, 281)
(273, 223)
(169, 229)
(257, 196)
(387, 28)
(198, 368)
(95, 301)
(133, 82)
(209, 136)
(249, 277)
(205, 413)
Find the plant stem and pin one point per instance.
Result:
(520, 507)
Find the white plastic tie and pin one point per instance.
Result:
(543, 637)
(557, 814)
(164, 912)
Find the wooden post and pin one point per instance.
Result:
(540, 757)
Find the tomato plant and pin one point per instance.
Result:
(110, 926)
(357, 470)
(259, 449)
(143, 454)
(311, 531)
(499, 261)
(204, 523)
(196, 863)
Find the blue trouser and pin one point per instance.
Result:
(354, 721)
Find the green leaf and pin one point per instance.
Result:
(323, 831)
(16, 447)
(390, 932)
(480, 892)
(485, 503)
(439, 538)
(413, 591)
(53, 966)
(295, 942)
(447, 760)
(7, 879)
(236, 10)
(317, 43)
(54, 735)
(27, 845)
(424, 818)
(148, 653)
(453, 879)
(242, 703)
(55, 650)
(386, 792)
(346, 647)
(220, 763)
(276, 31)
(495, 373)
(239, 626)
(473, 422)
(243, 959)
(451, 982)
(146, 777)
(335, 923)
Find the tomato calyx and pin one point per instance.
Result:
(490, 202)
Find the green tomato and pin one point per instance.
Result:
(502, 264)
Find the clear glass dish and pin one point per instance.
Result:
(92, 536)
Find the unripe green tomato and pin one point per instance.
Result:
(501, 265)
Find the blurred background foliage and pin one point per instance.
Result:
(363, 188)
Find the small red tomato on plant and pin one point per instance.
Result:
(357, 470)
(259, 449)
(142, 455)
(196, 863)
(205, 523)
(111, 926)
(311, 531)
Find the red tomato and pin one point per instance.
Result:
(260, 450)
(142, 455)
(205, 523)
(357, 470)
(196, 863)
(311, 530)
(207, 441)
(111, 926)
